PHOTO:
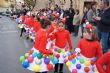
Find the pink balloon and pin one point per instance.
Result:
(65, 60)
(55, 49)
(74, 71)
(30, 59)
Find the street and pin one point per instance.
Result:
(12, 47)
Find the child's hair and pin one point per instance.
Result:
(60, 22)
(94, 33)
(45, 23)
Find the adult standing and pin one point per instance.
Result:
(69, 21)
(91, 13)
(104, 24)
(76, 22)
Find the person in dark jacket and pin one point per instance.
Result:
(104, 24)
(69, 21)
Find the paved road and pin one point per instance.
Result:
(12, 47)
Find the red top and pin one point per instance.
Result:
(37, 26)
(31, 22)
(90, 49)
(52, 28)
(23, 18)
(62, 38)
(41, 41)
(27, 20)
(104, 61)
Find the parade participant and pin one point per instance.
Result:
(88, 52)
(104, 61)
(23, 22)
(37, 25)
(104, 24)
(38, 59)
(63, 39)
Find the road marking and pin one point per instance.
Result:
(8, 31)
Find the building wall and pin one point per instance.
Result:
(6, 3)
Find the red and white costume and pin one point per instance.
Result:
(85, 61)
(104, 60)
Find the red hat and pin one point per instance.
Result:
(44, 17)
(57, 15)
(63, 20)
(89, 26)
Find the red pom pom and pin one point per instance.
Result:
(50, 67)
(89, 26)
(70, 57)
(86, 69)
(92, 62)
(57, 15)
(57, 55)
(31, 51)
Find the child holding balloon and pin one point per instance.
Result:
(37, 59)
(87, 53)
(61, 50)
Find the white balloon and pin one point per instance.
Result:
(38, 61)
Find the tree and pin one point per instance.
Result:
(30, 3)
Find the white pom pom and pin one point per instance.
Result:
(77, 50)
(87, 22)
(45, 14)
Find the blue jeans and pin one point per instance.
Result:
(104, 40)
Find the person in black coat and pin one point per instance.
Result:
(69, 20)
(104, 24)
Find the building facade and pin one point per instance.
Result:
(7, 3)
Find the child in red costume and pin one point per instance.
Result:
(63, 39)
(89, 45)
(41, 38)
(102, 62)
(89, 49)
(37, 26)
(38, 59)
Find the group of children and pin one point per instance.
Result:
(43, 57)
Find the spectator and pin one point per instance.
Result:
(76, 22)
(104, 24)
(91, 13)
(69, 21)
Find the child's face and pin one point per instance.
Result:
(54, 22)
(61, 26)
(48, 27)
(87, 35)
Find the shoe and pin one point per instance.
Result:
(27, 38)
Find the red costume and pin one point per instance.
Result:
(31, 22)
(27, 21)
(37, 26)
(104, 60)
(90, 49)
(41, 41)
(62, 38)
(23, 19)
